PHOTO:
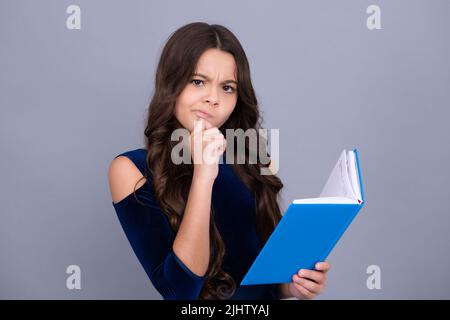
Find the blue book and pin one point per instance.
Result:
(310, 228)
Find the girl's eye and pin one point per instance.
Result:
(196, 81)
(228, 89)
(231, 89)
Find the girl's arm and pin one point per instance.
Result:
(191, 243)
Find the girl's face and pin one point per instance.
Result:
(212, 92)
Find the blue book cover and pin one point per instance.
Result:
(310, 228)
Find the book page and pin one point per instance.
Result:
(325, 200)
(338, 183)
(353, 173)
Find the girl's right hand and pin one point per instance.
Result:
(207, 144)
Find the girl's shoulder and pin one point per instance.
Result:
(138, 157)
(126, 173)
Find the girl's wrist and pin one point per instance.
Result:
(199, 178)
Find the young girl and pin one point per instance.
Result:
(197, 227)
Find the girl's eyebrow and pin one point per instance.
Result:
(207, 78)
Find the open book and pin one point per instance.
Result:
(311, 227)
(343, 185)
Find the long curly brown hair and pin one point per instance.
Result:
(171, 182)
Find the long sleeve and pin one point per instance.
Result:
(151, 238)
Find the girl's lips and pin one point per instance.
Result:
(202, 114)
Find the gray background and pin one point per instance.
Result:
(73, 99)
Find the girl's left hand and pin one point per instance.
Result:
(307, 284)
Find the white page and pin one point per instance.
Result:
(329, 200)
(338, 183)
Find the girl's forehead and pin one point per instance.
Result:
(213, 63)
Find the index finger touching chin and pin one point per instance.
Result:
(207, 124)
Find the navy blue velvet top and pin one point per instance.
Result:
(151, 237)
